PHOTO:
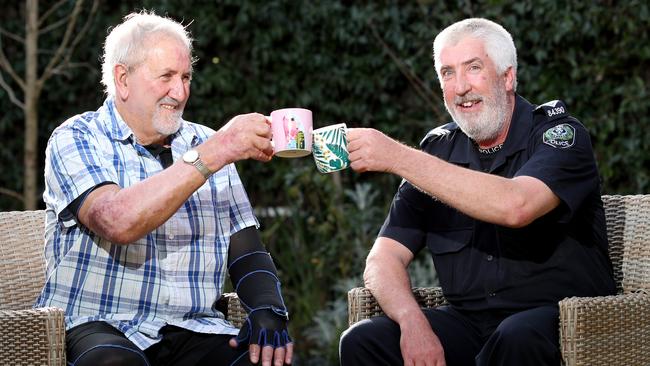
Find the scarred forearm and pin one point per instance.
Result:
(124, 215)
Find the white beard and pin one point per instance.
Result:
(167, 124)
(487, 124)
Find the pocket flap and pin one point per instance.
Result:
(451, 241)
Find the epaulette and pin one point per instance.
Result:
(552, 110)
(561, 136)
(439, 131)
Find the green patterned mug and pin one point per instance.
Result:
(330, 148)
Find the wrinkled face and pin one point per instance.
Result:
(158, 88)
(475, 95)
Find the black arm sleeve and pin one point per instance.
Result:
(253, 273)
(74, 206)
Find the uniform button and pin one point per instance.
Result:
(492, 294)
(489, 257)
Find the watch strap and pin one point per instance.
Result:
(202, 168)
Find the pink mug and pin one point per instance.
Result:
(292, 129)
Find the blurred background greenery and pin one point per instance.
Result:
(366, 63)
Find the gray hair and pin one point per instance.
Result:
(497, 41)
(125, 44)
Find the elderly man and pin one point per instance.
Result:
(146, 213)
(507, 200)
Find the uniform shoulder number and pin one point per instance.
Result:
(553, 109)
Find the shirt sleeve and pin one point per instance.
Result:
(406, 218)
(562, 157)
(241, 211)
(74, 164)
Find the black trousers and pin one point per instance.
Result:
(99, 344)
(529, 337)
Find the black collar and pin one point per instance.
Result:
(517, 139)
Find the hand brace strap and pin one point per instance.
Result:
(264, 328)
(253, 273)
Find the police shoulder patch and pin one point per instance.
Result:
(552, 110)
(561, 136)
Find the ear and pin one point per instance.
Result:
(120, 77)
(509, 77)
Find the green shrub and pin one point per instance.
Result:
(367, 64)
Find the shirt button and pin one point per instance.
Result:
(489, 257)
(170, 236)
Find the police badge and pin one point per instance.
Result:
(561, 136)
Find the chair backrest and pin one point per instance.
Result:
(22, 266)
(628, 232)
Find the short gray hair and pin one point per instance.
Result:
(125, 43)
(498, 43)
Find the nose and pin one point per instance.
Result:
(461, 86)
(178, 89)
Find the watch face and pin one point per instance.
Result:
(190, 156)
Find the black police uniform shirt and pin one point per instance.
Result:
(484, 266)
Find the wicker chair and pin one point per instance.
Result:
(37, 336)
(595, 331)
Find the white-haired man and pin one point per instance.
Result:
(507, 200)
(145, 213)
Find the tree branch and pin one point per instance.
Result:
(49, 12)
(420, 87)
(6, 66)
(11, 94)
(74, 65)
(12, 193)
(13, 36)
(66, 63)
(54, 25)
(89, 66)
(59, 55)
(82, 32)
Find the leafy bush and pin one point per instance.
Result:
(367, 64)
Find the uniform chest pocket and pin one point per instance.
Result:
(451, 257)
(448, 242)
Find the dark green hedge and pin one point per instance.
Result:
(366, 64)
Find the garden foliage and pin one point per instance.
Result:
(367, 64)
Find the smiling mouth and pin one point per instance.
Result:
(168, 107)
(468, 104)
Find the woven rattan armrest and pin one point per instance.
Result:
(235, 312)
(32, 337)
(362, 305)
(608, 330)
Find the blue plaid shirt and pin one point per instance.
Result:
(171, 276)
